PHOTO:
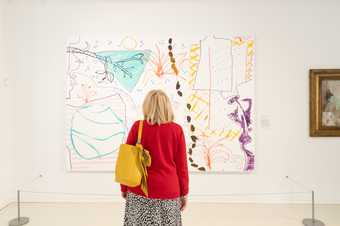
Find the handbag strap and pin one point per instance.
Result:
(140, 130)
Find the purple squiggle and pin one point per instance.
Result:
(243, 118)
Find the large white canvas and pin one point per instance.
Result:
(211, 87)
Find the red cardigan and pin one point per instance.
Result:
(168, 174)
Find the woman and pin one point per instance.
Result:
(168, 173)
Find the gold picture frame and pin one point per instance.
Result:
(324, 94)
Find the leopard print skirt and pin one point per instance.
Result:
(141, 211)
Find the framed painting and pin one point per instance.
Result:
(324, 102)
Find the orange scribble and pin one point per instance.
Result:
(162, 65)
(208, 158)
(159, 61)
(209, 152)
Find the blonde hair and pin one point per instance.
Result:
(157, 108)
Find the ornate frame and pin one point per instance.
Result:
(316, 76)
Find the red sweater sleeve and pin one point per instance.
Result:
(132, 137)
(182, 165)
(132, 140)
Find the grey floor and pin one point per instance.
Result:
(197, 214)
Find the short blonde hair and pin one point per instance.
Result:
(157, 108)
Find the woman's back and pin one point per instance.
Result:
(168, 174)
(167, 181)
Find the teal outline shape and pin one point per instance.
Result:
(125, 66)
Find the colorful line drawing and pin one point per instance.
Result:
(125, 66)
(96, 131)
(212, 91)
(203, 107)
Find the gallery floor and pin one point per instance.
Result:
(197, 214)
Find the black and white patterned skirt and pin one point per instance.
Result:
(141, 211)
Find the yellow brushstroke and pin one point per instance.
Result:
(238, 41)
(197, 116)
(193, 61)
(230, 134)
(194, 96)
(193, 106)
(235, 134)
(249, 60)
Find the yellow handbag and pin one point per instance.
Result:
(132, 162)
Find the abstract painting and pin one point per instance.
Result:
(210, 82)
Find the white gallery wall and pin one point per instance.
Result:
(6, 100)
(291, 37)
